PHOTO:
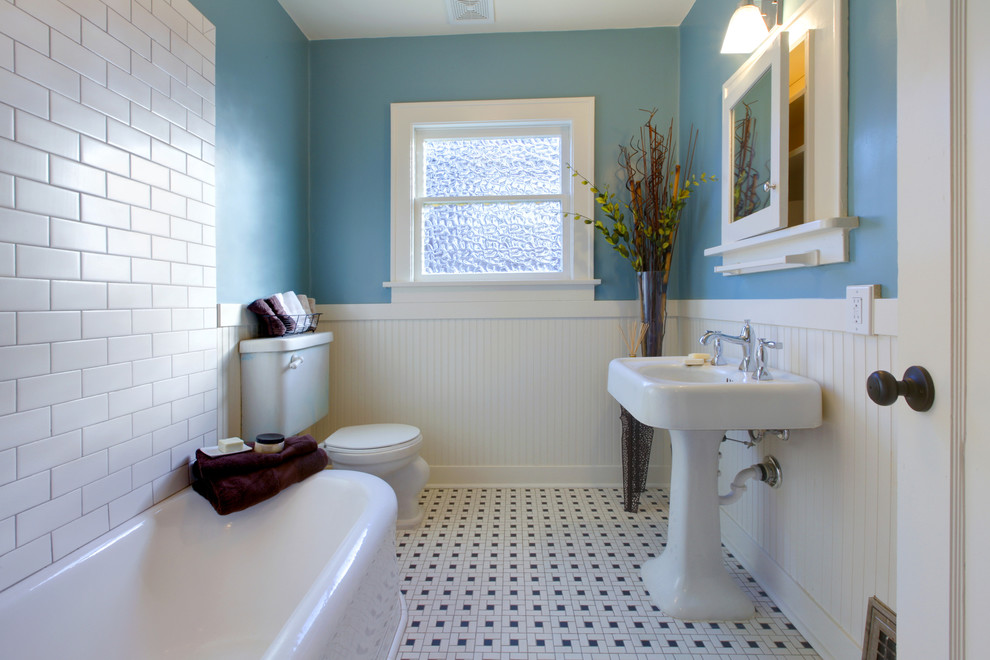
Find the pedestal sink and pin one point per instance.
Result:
(697, 405)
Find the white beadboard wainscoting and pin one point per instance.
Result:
(234, 323)
(499, 398)
(511, 393)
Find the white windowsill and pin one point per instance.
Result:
(493, 291)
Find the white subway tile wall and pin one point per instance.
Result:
(108, 379)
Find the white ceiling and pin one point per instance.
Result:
(352, 19)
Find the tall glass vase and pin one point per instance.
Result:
(653, 309)
(637, 438)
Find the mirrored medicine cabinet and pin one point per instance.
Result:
(784, 149)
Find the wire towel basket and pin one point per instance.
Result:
(273, 324)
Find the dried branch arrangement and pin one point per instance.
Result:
(658, 189)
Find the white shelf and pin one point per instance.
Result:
(810, 244)
(774, 263)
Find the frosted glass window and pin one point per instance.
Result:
(491, 203)
(492, 237)
(492, 166)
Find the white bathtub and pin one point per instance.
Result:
(310, 573)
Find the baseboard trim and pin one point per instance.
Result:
(821, 630)
(596, 476)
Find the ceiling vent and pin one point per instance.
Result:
(478, 12)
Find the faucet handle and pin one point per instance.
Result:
(770, 343)
(762, 373)
(747, 332)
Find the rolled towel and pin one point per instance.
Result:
(294, 308)
(229, 465)
(291, 302)
(312, 304)
(304, 303)
(240, 491)
(271, 322)
(279, 309)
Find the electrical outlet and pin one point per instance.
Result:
(859, 308)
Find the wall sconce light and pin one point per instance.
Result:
(748, 27)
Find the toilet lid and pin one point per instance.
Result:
(372, 436)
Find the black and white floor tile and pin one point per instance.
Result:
(534, 573)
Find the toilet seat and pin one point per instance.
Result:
(373, 439)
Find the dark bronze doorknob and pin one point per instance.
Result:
(917, 388)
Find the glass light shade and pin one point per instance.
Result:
(746, 30)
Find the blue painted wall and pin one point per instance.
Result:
(262, 149)
(354, 81)
(322, 226)
(872, 160)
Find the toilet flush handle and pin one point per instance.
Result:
(295, 361)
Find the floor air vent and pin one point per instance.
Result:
(460, 12)
(880, 640)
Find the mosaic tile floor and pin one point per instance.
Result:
(534, 573)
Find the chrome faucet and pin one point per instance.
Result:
(744, 339)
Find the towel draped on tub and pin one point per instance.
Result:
(233, 482)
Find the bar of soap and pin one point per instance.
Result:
(693, 362)
(230, 445)
(699, 356)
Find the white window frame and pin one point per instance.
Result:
(411, 122)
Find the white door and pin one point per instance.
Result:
(943, 274)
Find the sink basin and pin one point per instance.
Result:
(665, 393)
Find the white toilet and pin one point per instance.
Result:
(388, 451)
(285, 388)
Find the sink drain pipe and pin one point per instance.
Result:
(767, 471)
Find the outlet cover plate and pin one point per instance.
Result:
(859, 308)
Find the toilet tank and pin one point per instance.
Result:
(285, 383)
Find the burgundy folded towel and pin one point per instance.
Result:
(240, 491)
(272, 323)
(284, 316)
(214, 468)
